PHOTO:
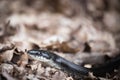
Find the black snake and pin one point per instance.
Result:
(73, 69)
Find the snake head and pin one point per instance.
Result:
(39, 55)
(44, 56)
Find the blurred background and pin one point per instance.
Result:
(75, 27)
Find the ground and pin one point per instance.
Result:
(84, 32)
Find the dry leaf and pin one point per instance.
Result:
(62, 47)
(20, 58)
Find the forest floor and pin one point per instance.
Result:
(86, 33)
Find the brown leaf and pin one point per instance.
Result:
(58, 76)
(6, 51)
(62, 47)
(7, 56)
(7, 76)
(23, 60)
(6, 46)
(20, 58)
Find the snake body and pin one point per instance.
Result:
(73, 69)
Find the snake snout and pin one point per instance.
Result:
(39, 53)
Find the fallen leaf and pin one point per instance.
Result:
(62, 47)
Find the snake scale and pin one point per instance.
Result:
(71, 68)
